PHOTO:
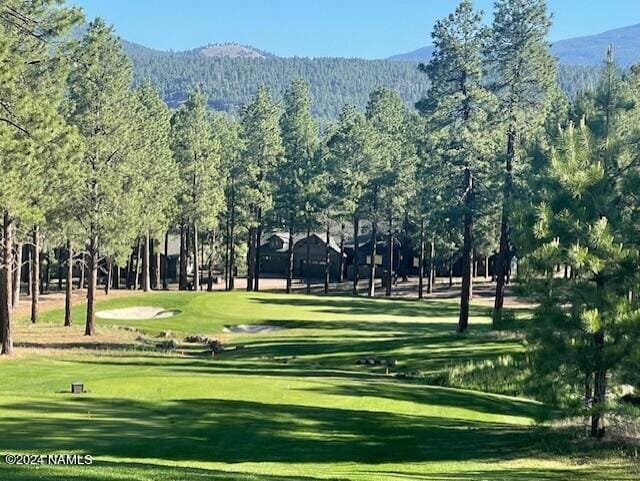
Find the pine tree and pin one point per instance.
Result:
(300, 142)
(458, 108)
(159, 176)
(525, 73)
(227, 134)
(351, 150)
(392, 172)
(262, 153)
(587, 220)
(100, 107)
(197, 153)
(31, 130)
(586, 324)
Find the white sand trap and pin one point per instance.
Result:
(139, 312)
(253, 328)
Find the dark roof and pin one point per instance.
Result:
(298, 237)
(364, 239)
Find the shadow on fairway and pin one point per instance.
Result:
(116, 471)
(241, 431)
(375, 306)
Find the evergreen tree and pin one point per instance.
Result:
(525, 73)
(300, 142)
(263, 152)
(588, 324)
(197, 153)
(31, 130)
(351, 150)
(101, 106)
(159, 176)
(237, 193)
(391, 173)
(458, 107)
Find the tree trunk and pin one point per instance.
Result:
(29, 273)
(165, 274)
(6, 286)
(157, 266)
(256, 272)
(182, 281)
(201, 263)
(465, 294)
(90, 326)
(373, 252)
(60, 275)
(68, 288)
(116, 277)
(473, 274)
(146, 272)
(486, 267)
(599, 386)
(196, 262)
(290, 265)
(308, 261)
(17, 277)
(232, 240)
(47, 272)
(356, 254)
(327, 260)
(502, 258)
(251, 257)
(387, 292)
(407, 257)
(83, 270)
(431, 271)
(107, 284)
(35, 274)
(227, 246)
(342, 256)
(451, 271)
(137, 281)
(421, 262)
(129, 269)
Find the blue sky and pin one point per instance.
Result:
(340, 28)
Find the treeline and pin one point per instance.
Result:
(496, 160)
(230, 83)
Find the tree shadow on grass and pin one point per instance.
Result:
(117, 471)
(359, 306)
(242, 431)
(335, 357)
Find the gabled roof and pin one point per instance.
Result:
(297, 238)
(321, 237)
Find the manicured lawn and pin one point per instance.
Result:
(290, 405)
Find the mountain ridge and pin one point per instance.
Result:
(587, 50)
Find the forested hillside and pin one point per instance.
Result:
(231, 81)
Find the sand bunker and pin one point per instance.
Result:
(139, 312)
(253, 328)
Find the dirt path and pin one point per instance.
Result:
(55, 300)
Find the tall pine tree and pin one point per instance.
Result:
(458, 108)
(525, 73)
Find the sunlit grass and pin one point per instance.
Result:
(292, 405)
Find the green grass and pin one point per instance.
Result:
(290, 405)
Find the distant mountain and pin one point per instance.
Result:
(420, 55)
(587, 51)
(592, 49)
(212, 50)
(230, 73)
(233, 50)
